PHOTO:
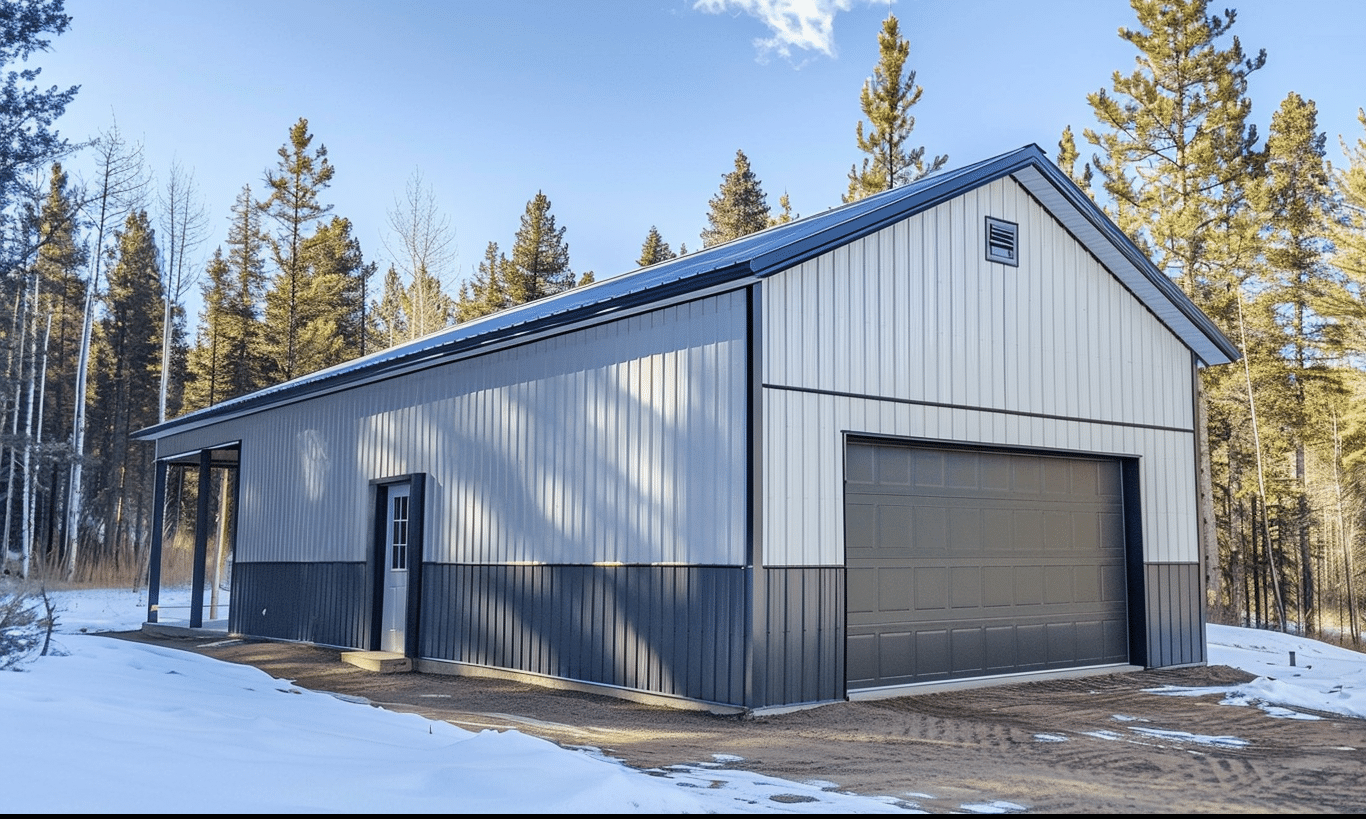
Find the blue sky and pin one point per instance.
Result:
(626, 113)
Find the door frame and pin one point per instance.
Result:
(379, 524)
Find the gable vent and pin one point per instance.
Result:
(1003, 242)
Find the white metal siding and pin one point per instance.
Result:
(915, 312)
(620, 443)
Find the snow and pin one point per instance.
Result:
(1324, 678)
(150, 728)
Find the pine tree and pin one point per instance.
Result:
(27, 112)
(1346, 304)
(487, 292)
(330, 313)
(427, 306)
(1293, 198)
(785, 213)
(539, 264)
(59, 264)
(886, 100)
(1067, 160)
(60, 260)
(1176, 151)
(655, 249)
(293, 203)
(1175, 159)
(229, 358)
(126, 388)
(388, 324)
(739, 208)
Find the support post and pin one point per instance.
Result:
(158, 531)
(201, 539)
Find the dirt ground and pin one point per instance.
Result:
(1065, 746)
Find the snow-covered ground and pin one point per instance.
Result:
(109, 725)
(1323, 678)
(113, 726)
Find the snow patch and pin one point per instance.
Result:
(998, 806)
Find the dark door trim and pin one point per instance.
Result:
(379, 498)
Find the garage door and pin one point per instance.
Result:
(962, 563)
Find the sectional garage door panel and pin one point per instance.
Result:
(963, 564)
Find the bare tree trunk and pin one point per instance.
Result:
(1261, 470)
(21, 310)
(35, 440)
(183, 225)
(121, 183)
(1209, 532)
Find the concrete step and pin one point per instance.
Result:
(385, 662)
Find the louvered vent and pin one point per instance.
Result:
(1003, 242)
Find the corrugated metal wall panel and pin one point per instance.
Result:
(676, 630)
(1176, 614)
(915, 313)
(324, 603)
(619, 443)
(804, 619)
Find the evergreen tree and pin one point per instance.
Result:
(487, 292)
(59, 264)
(127, 388)
(294, 188)
(739, 208)
(1175, 158)
(1176, 151)
(886, 100)
(229, 357)
(1346, 303)
(388, 323)
(655, 249)
(426, 305)
(330, 314)
(1067, 160)
(27, 112)
(785, 213)
(539, 265)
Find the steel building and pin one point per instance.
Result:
(942, 433)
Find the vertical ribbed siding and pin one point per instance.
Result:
(621, 443)
(805, 620)
(324, 603)
(915, 313)
(676, 630)
(1176, 614)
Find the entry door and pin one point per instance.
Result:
(395, 621)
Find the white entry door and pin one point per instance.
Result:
(396, 569)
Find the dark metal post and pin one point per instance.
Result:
(158, 529)
(201, 539)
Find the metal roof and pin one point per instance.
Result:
(757, 256)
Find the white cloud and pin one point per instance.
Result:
(807, 25)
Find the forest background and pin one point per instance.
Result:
(196, 240)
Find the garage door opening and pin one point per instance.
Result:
(966, 563)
